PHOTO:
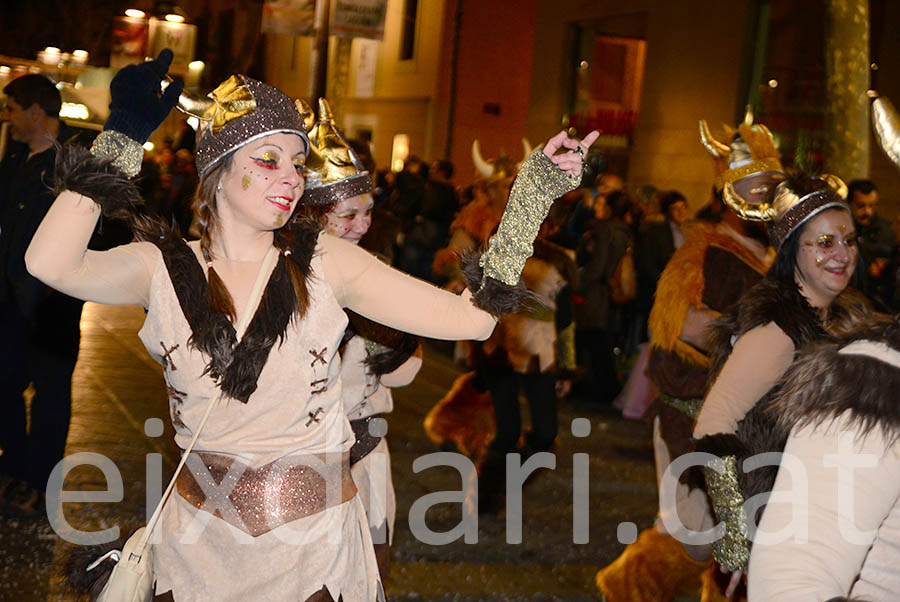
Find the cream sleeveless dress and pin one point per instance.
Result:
(295, 411)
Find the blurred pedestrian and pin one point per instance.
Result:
(39, 327)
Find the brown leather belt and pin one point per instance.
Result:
(257, 500)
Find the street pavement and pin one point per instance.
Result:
(117, 388)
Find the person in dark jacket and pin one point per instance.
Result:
(39, 327)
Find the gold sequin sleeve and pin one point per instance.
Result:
(537, 185)
(732, 550)
(128, 153)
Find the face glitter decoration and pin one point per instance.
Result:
(350, 218)
(264, 183)
(827, 256)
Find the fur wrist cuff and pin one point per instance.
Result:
(99, 178)
(491, 295)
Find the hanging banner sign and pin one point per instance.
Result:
(291, 17)
(359, 18)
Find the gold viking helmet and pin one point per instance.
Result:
(334, 171)
(752, 152)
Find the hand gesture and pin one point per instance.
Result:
(138, 106)
(571, 160)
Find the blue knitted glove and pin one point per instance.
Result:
(137, 107)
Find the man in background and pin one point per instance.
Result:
(876, 239)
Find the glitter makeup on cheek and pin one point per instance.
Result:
(279, 221)
(245, 182)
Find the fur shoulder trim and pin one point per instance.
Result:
(681, 286)
(236, 366)
(824, 383)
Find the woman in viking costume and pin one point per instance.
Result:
(707, 275)
(373, 357)
(268, 509)
(801, 300)
(836, 502)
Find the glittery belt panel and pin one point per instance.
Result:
(257, 500)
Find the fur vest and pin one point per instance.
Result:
(761, 430)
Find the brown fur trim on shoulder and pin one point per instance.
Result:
(491, 295)
(767, 301)
(823, 384)
(236, 368)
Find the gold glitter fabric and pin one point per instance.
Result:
(265, 111)
(538, 184)
(128, 153)
(691, 407)
(731, 551)
(267, 497)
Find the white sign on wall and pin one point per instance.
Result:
(366, 65)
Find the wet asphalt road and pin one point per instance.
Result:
(117, 387)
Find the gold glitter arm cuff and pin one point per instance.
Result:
(565, 349)
(537, 185)
(128, 153)
(732, 550)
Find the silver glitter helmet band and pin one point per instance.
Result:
(240, 110)
(801, 212)
(329, 194)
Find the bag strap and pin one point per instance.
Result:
(240, 328)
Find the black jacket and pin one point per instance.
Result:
(26, 195)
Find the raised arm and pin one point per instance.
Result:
(92, 182)
(58, 256)
(385, 295)
(369, 287)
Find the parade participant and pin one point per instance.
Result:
(706, 275)
(292, 526)
(802, 298)
(374, 357)
(844, 440)
(531, 350)
(836, 408)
